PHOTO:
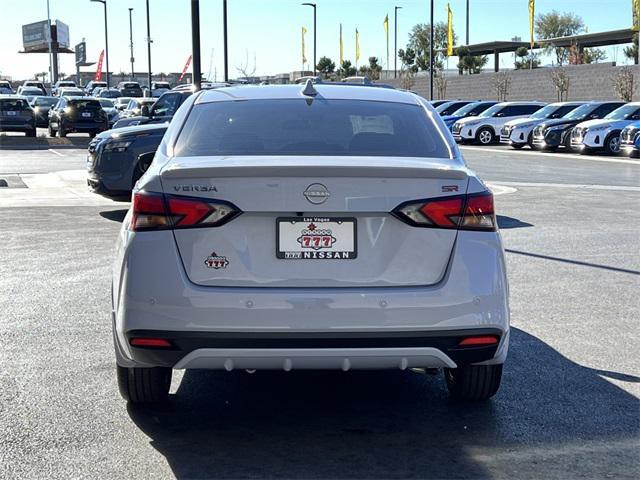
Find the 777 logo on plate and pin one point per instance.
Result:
(316, 239)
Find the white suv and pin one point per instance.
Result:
(519, 132)
(485, 128)
(604, 134)
(309, 227)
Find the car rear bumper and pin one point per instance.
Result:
(384, 327)
(320, 350)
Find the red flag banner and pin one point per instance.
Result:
(186, 67)
(98, 76)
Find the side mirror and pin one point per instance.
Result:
(499, 114)
(593, 116)
(145, 159)
(144, 110)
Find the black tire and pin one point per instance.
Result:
(52, 132)
(138, 172)
(485, 136)
(62, 132)
(473, 382)
(530, 140)
(144, 385)
(567, 142)
(612, 144)
(517, 146)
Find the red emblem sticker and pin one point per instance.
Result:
(216, 261)
(316, 239)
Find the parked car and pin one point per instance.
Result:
(470, 110)
(205, 85)
(117, 159)
(448, 108)
(551, 134)
(136, 106)
(108, 105)
(485, 128)
(604, 135)
(160, 112)
(519, 132)
(130, 89)
(211, 234)
(62, 84)
(31, 84)
(103, 92)
(77, 114)
(158, 88)
(121, 103)
(16, 115)
(630, 140)
(30, 92)
(41, 106)
(92, 85)
(437, 103)
(6, 88)
(70, 92)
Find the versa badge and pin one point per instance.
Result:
(216, 261)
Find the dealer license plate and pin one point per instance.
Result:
(316, 238)
(86, 114)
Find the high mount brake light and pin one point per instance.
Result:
(155, 211)
(462, 212)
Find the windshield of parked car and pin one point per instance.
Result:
(66, 84)
(490, 112)
(45, 101)
(303, 127)
(626, 112)
(13, 104)
(470, 107)
(123, 100)
(130, 85)
(85, 104)
(581, 112)
(106, 103)
(545, 112)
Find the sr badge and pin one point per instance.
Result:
(216, 261)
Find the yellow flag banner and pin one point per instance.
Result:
(341, 47)
(357, 45)
(386, 31)
(304, 57)
(532, 10)
(635, 7)
(449, 31)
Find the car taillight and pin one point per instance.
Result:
(463, 212)
(155, 211)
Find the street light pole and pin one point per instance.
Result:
(52, 74)
(195, 44)
(395, 42)
(131, 43)
(148, 47)
(431, 56)
(467, 22)
(315, 35)
(106, 37)
(226, 51)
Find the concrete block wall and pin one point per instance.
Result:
(586, 82)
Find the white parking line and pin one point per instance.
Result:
(550, 154)
(57, 153)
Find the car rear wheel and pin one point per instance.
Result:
(612, 144)
(144, 385)
(473, 382)
(484, 136)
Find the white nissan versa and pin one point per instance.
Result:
(309, 227)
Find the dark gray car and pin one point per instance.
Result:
(118, 158)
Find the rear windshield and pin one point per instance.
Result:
(130, 85)
(85, 104)
(303, 127)
(45, 101)
(13, 104)
(66, 84)
(106, 103)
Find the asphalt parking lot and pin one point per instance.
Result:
(568, 406)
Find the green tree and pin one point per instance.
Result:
(526, 59)
(593, 55)
(325, 66)
(408, 59)
(470, 63)
(419, 41)
(631, 52)
(346, 70)
(555, 24)
(372, 70)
